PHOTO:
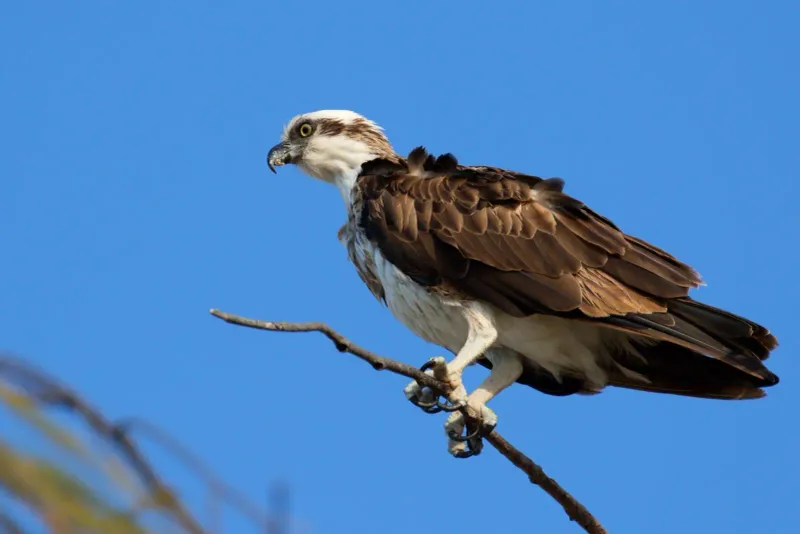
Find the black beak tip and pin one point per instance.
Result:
(278, 155)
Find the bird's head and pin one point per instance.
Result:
(330, 145)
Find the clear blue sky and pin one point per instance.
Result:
(134, 196)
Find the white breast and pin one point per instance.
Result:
(429, 315)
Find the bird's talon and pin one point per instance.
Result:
(467, 453)
(465, 447)
(428, 400)
(470, 444)
(431, 408)
(428, 365)
(428, 406)
(465, 439)
(451, 406)
(436, 405)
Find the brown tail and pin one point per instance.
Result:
(696, 350)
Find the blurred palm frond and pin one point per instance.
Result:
(75, 471)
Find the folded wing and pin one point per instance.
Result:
(522, 244)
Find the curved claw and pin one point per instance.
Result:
(427, 407)
(430, 407)
(475, 432)
(448, 406)
(467, 453)
(468, 438)
(427, 365)
(474, 443)
(436, 405)
(439, 405)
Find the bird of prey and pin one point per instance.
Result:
(505, 269)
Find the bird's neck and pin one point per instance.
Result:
(347, 174)
(344, 170)
(345, 181)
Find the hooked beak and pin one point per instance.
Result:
(279, 155)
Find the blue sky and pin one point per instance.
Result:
(134, 196)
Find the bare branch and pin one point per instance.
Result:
(379, 363)
(574, 509)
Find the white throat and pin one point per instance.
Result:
(345, 182)
(336, 160)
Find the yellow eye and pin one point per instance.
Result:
(305, 130)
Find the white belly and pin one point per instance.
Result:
(559, 345)
(428, 315)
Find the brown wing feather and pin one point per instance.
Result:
(520, 243)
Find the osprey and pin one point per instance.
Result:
(505, 269)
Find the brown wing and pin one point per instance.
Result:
(522, 244)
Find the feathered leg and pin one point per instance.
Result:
(480, 337)
(506, 369)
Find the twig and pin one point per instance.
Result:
(379, 363)
(574, 509)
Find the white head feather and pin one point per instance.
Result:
(339, 143)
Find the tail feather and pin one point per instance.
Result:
(695, 350)
(740, 333)
(664, 367)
